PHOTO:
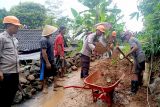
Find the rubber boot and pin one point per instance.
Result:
(134, 86)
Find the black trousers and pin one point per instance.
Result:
(85, 63)
(8, 89)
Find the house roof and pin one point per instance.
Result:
(28, 40)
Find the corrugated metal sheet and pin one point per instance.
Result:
(28, 40)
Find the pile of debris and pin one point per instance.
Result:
(29, 77)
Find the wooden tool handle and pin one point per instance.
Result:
(124, 55)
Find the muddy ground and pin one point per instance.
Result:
(75, 97)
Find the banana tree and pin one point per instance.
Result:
(96, 14)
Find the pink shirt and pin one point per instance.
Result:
(59, 41)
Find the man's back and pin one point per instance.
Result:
(47, 43)
(138, 55)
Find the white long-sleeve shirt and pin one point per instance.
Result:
(8, 54)
(89, 43)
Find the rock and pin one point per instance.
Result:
(74, 68)
(22, 78)
(78, 64)
(27, 90)
(71, 61)
(50, 81)
(67, 57)
(69, 70)
(34, 68)
(18, 97)
(35, 83)
(33, 91)
(120, 98)
(157, 99)
(27, 67)
(31, 78)
(36, 75)
(77, 57)
(38, 81)
(38, 87)
(93, 59)
(51, 78)
(21, 69)
(77, 61)
(24, 85)
(26, 73)
(68, 65)
(78, 54)
(37, 63)
(155, 86)
(155, 90)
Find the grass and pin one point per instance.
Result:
(126, 48)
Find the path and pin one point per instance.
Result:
(77, 97)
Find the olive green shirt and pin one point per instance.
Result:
(8, 54)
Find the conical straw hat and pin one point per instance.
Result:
(48, 29)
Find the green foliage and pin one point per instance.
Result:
(49, 20)
(126, 48)
(91, 3)
(150, 37)
(134, 14)
(98, 11)
(30, 14)
(114, 61)
(74, 12)
(80, 44)
(65, 21)
(78, 49)
(3, 13)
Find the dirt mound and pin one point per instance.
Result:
(111, 70)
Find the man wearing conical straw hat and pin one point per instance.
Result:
(47, 58)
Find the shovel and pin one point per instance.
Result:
(100, 49)
(124, 55)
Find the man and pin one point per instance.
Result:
(59, 51)
(88, 47)
(9, 77)
(111, 42)
(47, 59)
(139, 60)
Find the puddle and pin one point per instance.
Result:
(44, 100)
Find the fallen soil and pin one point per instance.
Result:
(76, 97)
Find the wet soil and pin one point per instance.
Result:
(76, 97)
